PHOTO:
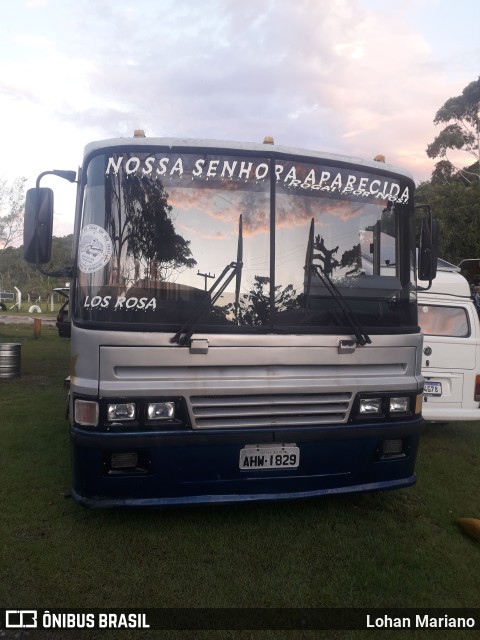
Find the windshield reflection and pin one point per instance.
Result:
(152, 244)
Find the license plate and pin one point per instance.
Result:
(431, 388)
(258, 456)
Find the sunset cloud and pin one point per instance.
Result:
(355, 77)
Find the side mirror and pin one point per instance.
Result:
(428, 249)
(38, 225)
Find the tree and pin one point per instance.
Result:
(457, 208)
(254, 306)
(16, 272)
(12, 197)
(453, 193)
(141, 224)
(461, 114)
(152, 234)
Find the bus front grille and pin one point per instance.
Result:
(283, 410)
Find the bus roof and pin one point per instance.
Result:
(257, 148)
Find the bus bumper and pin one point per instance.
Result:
(159, 469)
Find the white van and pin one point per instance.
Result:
(451, 350)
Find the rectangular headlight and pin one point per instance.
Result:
(370, 406)
(122, 411)
(399, 405)
(161, 411)
(86, 413)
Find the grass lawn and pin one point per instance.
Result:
(392, 549)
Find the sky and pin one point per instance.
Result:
(354, 77)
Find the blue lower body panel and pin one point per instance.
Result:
(155, 469)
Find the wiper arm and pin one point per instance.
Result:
(233, 269)
(361, 337)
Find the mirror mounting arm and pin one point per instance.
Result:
(71, 176)
(66, 272)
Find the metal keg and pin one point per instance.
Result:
(10, 357)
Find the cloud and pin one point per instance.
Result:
(356, 77)
(331, 75)
(34, 4)
(16, 92)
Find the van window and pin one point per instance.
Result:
(443, 321)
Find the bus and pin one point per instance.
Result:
(237, 331)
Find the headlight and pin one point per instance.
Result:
(386, 406)
(369, 406)
(121, 412)
(399, 405)
(161, 411)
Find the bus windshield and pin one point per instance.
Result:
(159, 228)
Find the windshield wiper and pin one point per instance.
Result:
(361, 337)
(231, 270)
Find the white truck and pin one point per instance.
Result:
(451, 348)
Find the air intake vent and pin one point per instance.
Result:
(288, 410)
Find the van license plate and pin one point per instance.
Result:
(432, 388)
(257, 457)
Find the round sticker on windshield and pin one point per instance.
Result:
(95, 248)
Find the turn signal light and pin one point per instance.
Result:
(86, 413)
